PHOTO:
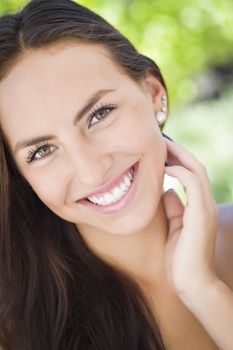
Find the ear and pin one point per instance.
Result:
(154, 89)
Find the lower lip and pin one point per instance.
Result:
(122, 203)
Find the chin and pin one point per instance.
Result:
(132, 224)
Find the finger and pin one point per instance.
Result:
(186, 158)
(200, 209)
(183, 156)
(197, 235)
(174, 210)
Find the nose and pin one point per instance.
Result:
(90, 165)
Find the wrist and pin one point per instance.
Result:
(199, 290)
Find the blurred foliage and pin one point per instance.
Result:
(206, 130)
(185, 38)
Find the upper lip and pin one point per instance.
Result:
(110, 185)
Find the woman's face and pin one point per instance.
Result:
(41, 97)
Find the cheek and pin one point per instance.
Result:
(137, 134)
(48, 190)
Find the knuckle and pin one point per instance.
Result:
(203, 169)
(197, 180)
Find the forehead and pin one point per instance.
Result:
(47, 81)
(40, 69)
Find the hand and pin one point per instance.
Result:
(189, 254)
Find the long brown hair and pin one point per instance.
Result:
(55, 293)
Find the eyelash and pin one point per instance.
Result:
(32, 152)
(98, 109)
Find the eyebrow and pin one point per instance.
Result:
(95, 97)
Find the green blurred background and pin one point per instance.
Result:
(192, 42)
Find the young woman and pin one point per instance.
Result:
(94, 254)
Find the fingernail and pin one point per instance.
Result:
(168, 164)
(167, 137)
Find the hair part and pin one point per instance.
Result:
(55, 292)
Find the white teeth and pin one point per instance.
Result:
(94, 200)
(123, 187)
(116, 193)
(127, 180)
(108, 198)
(101, 201)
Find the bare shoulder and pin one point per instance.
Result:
(224, 244)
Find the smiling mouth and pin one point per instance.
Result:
(114, 193)
(117, 192)
(118, 197)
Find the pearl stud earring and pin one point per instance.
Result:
(161, 115)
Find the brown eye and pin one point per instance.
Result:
(42, 150)
(99, 114)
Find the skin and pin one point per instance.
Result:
(169, 241)
(48, 87)
(190, 261)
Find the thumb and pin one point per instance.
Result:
(174, 210)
